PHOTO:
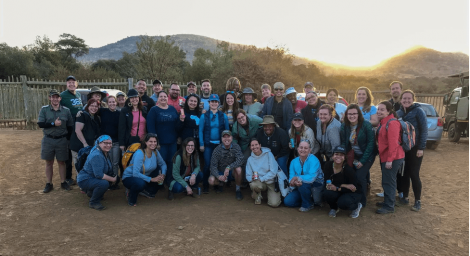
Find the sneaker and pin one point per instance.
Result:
(384, 211)
(258, 199)
(303, 209)
(71, 182)
(170, 195)
(49, 187)
(354, 214)
(238, 195)
(381, 194)
(97, 206)
(205, 190)
(417, 206)
(403, 201)
(65, 186)
(333, 213)
(146, 194)
(219, 189)
(400, 195)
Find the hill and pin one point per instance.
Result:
(189, 43)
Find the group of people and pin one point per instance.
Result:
(303, 153)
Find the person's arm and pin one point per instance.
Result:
(238, 157)
(151, 119)
(161, 163)
(201, 130)
(423, 128)
(370, 142)
(290, 114)
(176, 172)
(374, 119)
(313, 143)
(235, 132)
(349, 185)
(333, 136)
(342, 135)
(78, 130)
(197, 169)
(393, 137)
(264, 111)
(138, 162)
(273, 168)
(249, 170)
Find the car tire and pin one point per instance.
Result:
(432, 145)
(453, 132)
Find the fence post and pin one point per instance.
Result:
(26, 98)
(130, 80)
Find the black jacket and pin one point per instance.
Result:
(125, 125)
(147, 102)
(278, 142)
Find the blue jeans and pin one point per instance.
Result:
(282, 162)
(98, 186)
(362, 175)
(137, 185)
(208, 149)
(389, 183)
(178, 188)
(300, 196)
(167, 151)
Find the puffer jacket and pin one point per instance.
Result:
(416, 116)
(365, 141)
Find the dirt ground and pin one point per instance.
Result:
(60, 223)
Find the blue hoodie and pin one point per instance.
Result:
(312, 170)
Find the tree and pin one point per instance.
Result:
(202, 65)
(15, 62)
(46, 56)
(71, 47)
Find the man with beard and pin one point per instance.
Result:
(206, 93)
(175, 99)
(297, 105)
(395, 91)
(141, 88)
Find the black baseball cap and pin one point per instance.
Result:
(339, 149)
(298, 116)
(157, 82)
(71, 77)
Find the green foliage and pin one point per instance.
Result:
(15, 62)
(71, 47)
(85, 72)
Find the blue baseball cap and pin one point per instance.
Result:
(214, 97)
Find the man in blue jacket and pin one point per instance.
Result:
(279, 107)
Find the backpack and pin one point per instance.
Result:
(127, 156)
(81, 158)
(407, 134)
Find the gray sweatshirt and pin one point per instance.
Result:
(330, 139)
(264, 164)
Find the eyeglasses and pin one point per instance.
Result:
(177, 90)
(230, 92)
(107, 143)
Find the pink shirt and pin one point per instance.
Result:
(176, 103)
(143, 124)
(299, 106)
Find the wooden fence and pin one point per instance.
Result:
(22, 98)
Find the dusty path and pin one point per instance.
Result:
(32, 223)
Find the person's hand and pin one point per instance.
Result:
(388, 165)
(222, 178)
(332, 187)
(350, 187)
(226, 172)
(201, 148)
(113, 179)
(419, 153)
(189, 190)
(154, 179)
(292, 182)
(160, 178)
(85, 145)
(298, 183)
(192, 180)
(203, 111)
(359, 165)
(182, 118)
(290, 145)
(122, 148)
(57, 122)
(79, 113)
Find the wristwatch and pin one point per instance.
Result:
(52, 123)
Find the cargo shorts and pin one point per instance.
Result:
(57, 148)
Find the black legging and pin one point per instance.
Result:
(412, 166)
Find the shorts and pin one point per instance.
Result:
(57, 148)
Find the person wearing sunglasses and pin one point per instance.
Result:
(233, 85)
(310, 112)
(279, 107)
(211, 125)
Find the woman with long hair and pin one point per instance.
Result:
(332, 97)
(190, 118)
(233, 85)
(186, 169)
(310, 112)
(364, 99)
(299, 131)
(132, 120)
(230, 107)
(390, 152)
(358, 139)
(328, 129)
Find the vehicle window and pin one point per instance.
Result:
(429, 110)
(455, 97)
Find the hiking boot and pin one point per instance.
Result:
(303, 209)
(403, 201)
(384, 211)
(97, 206)
(71, 182)
(205, 190)
(354, 214)
(333, 213)
(146, 194)
(417, 206)
(65, 186)
(238, 195)
(49, 187)
(170, 195)
(258, 199)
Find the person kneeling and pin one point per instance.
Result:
(227, 156)
(341, 192)
(305, 177)
(94, 178)
(261, 169)
(146, 172)
(186, 169)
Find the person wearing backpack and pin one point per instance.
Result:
(412, 113)
(391, 154)
(97, 172)
(146, 171)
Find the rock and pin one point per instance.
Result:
(180, 227)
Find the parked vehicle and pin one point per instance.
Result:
(322, 96)
(456, 110)
(434, 125)
(85, 92)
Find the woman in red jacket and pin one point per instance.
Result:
(391, 154)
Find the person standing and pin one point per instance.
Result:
(206, 91)
(327, 135)
(230, 107)
(141, 88)
(332, 97)
(364, 99)
(391, 154)
(121, 100)
(395, 90)
(232, 85)
(310, 112)
(192, 114)
(72, 100)
(110, 127)
(174, 99)
(250, 105)
(132, 121)
(192, 89)
(415, 115)
(57, 124)
(265, 92)
(279, 107)
(157, 87)
(297, 105)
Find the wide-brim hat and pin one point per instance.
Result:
(96, 89)
(132, 93)
(248, 90)
(269, 119)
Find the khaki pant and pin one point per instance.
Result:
(274, 198)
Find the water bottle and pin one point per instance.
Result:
(198, 191)
(292, 142)
(328, 182)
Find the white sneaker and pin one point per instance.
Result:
(381, 194)
(354, 214)
(333, 212)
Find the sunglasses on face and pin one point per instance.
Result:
(278, 89)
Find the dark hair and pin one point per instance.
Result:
(389, 107)
(186, 106)
(140, 106)
(157, 82)
(91, 101)
(370, 98)
(395, 82)
(253, 139)
(360, 117)
(173, 84)
(332, 90)
(192, 159)
(225, 106)
(408, 91)
(330, 109)
(162, 91)
(147, 137)
(206, 80)
(241, 111)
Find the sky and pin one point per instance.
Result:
(353, 33)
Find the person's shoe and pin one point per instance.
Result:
(65, 186)
(49, 187)
(146, 194)
(170, 195)
(258, 199)
(403, 201)
(303, 209)
(417, 206)
(238, 195)
(384, 211)
(333, 213)
(205, 190)
(219, 189)
(354, 214)
(97, 206)
(400, 195)
(71, 182)
(229, 184)
(89, 193)
(381, 194)
(379, 204)
(195, 195)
